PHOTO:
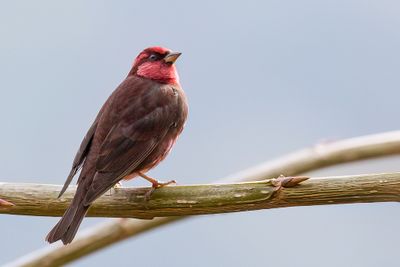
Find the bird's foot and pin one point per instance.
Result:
(154, 184)
(158, 184)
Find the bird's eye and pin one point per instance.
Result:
(153, 57)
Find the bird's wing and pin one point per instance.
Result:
(80, 156)
(126, 146)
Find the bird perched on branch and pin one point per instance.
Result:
(133, 132)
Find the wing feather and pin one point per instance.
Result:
(125, 148)
(80, 156)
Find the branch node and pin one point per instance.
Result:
(286, 182)
(5, 204)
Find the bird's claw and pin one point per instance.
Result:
(149, 193)
(157, 184)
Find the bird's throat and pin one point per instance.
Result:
(160, 72)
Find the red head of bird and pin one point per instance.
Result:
(156, 63)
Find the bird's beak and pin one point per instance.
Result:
(172, 57)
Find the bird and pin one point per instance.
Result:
(133, 132)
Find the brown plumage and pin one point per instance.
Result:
(134, 130)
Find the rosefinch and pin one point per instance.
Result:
(133, 132)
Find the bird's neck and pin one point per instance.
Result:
(161, 73)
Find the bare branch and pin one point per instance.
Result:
(322, 155)
(210, 199)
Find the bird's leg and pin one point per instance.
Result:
(155, 184)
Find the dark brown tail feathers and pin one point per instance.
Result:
(65, 230)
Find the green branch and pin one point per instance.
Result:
(41, 200)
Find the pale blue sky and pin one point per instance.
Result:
(262, 78)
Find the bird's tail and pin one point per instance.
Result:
(65, 230)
